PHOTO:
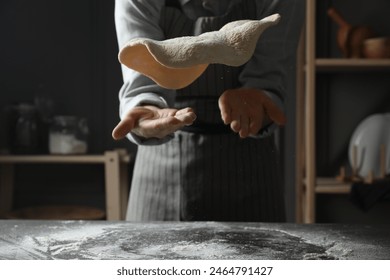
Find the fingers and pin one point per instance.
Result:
(245, 126)
(226, 110)
(186, 116)
(246, 109)
(163, 126)
(123, 128)
(236, 114)
(255, 125)
(231, 115)
(149, 122)
(274, 113)
(129, 122)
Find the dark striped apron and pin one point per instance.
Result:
(207, 173)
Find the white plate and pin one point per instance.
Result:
(368, 137)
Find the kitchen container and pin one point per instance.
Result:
(68, 135)
(26, 131)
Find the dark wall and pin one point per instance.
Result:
(65, 51)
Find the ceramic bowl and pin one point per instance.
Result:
(377, 48)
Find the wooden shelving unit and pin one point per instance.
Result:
(116, 177)
(313, 185)
(335, 64)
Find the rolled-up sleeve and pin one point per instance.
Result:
(139, 19)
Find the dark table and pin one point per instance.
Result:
(32, 239)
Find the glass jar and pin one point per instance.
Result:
(26, 130)
(68, 135)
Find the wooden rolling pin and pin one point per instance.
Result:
(350, 38)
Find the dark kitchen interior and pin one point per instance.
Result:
(65, 53)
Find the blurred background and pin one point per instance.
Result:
(59, 58)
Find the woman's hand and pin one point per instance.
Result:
(247, 110)
(150, 121)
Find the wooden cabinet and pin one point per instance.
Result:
(313, 67)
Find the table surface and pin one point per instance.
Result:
(33, 239)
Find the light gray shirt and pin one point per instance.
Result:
(266, 70)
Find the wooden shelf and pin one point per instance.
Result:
(309, 66)
(331, 186)
(58, 158)
(337, 64)
(115, 169)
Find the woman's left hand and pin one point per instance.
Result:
(247, 110)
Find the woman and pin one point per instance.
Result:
(223, 166)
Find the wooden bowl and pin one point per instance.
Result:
(377, 48)
(63, 212)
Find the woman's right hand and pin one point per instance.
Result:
(152, 122)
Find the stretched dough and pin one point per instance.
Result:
(176, 63)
